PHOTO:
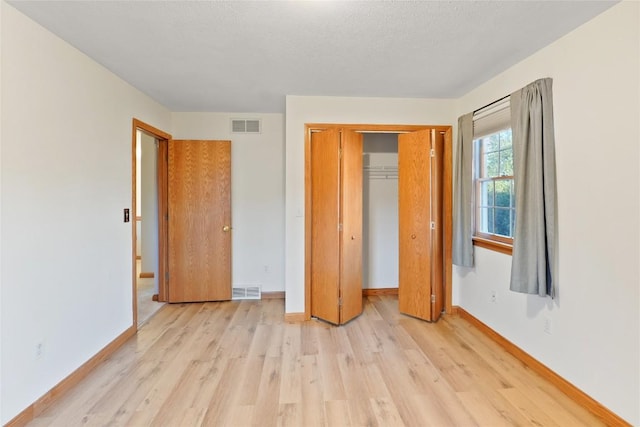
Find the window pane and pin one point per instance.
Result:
(506, 162)
(503, 222)
(486, 194)
(503, 193)
(486, 220)
(505, 139)
(492, 143)
(491, 165)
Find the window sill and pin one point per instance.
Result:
(493, 245)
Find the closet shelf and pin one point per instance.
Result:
(381, 172)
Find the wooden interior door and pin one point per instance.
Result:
(414, 207)
(199, 206)
(351, 219)
(325, 219)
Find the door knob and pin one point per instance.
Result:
(413, 236)
(226, 228)
(353, 237)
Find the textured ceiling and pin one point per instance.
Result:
(246, 56)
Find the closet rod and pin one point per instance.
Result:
(379, 167)
(383, 177)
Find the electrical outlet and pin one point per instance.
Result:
(39, 349)
(494, 296)
(548, 326)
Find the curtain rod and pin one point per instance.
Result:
(491, 103)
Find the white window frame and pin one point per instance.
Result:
(487, 121)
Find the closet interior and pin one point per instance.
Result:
(380, 211)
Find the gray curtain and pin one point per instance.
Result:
(533, 269)
(462, 202)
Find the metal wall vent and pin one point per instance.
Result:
(246, 126)
(246, 292)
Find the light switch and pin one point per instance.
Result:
(126, 215)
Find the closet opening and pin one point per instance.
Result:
(377, 218)
(380, 259)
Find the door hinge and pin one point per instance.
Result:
(166, 276)
(339, 153)
(340, 227)
(340, 302)
(433, 225)
(433, 298)
(433, 152)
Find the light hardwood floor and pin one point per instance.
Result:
(238, 364)
(145, 289)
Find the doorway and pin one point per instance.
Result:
(184, 213)
(146, 215)
(147, 144)
(425, 251)
(380, 213)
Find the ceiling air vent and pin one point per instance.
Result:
(245, 126)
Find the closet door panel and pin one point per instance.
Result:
(414, 206)
(351, 218)
(437, 189)
(325, 217)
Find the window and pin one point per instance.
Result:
(493, 187)
(494, 191)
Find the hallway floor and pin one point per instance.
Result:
(145, 290)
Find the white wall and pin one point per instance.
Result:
(595, 329)
(257, 192)
(380, 257)
(149, 206)
(322, 109)
(66, 178)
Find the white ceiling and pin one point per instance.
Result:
(246, 56)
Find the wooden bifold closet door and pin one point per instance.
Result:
(336, 224)
(336, 227)
(420, 156)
